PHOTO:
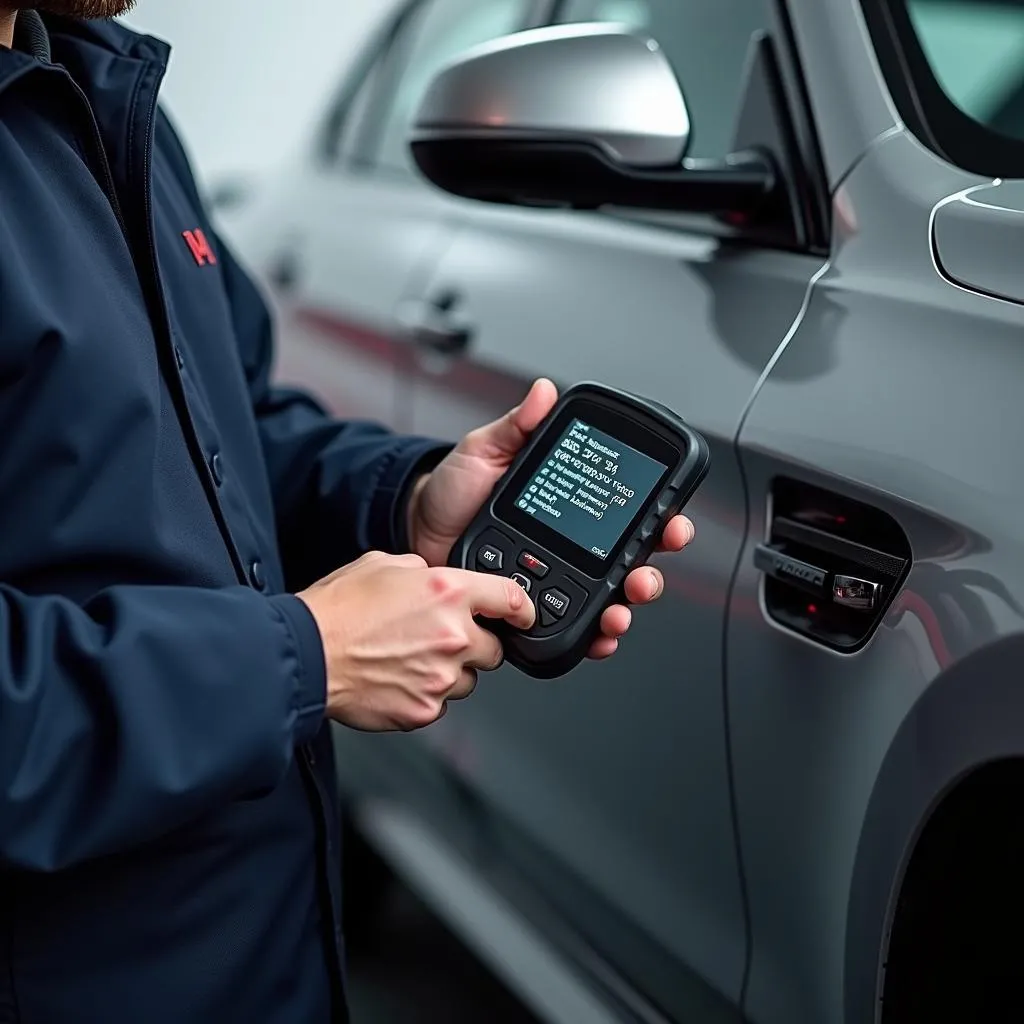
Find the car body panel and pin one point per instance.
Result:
(849, 407)
(623, 763)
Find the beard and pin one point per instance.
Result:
(79, 8)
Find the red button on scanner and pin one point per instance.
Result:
(533, 565)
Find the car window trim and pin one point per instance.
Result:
(805, 127)
(366, 155)
(334, 126)
(923, 105)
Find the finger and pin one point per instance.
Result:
(644, 585)
(485, 650)
(678, 533)
(496, 597)
(464, 687)
(616, 621)
(539, 401)
(504, 437)
(603, 647)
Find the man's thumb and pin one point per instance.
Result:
(506, 436)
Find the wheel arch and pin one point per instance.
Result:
(969, 718)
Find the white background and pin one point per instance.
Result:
(248, 77)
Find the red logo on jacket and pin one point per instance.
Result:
(200, 248)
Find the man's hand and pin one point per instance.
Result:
(444, 504)
(400, 640)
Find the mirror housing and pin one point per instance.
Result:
(580, 116)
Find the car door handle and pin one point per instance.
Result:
(777, 564)
(831, 564)
(438, 326)
(445, 338)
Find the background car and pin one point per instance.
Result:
(775, 804)
(240, 85)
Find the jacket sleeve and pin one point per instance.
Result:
(340, 488)
(128, 717)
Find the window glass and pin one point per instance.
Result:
(976, 52)
(437, 33)
(707, 44)
(348, 130)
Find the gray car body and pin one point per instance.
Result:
(717, 821)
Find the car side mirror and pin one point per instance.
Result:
(580, 116)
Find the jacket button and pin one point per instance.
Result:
(256, 575)
(179, 358)
(217, 468)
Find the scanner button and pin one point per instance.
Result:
(555, 602)
(533, 565)
(490, 558)
(524, 581)
(629, 556)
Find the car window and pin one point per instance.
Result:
(347, 129)
(955, 71)
(707, 44)
(976, 52)
(437, 32)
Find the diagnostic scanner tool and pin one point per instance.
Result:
(583, 504)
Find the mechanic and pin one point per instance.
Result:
(175, 633)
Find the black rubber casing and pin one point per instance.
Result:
(546, 652)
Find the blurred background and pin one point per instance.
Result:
(281, 61)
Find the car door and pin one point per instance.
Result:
(884, 445)
(353, 229)
(614, 783)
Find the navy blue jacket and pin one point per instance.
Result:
(168, 823)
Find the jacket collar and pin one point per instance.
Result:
(31, 36)
(111, 36)
(80, 39)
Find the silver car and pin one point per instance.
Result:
(795, 795)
